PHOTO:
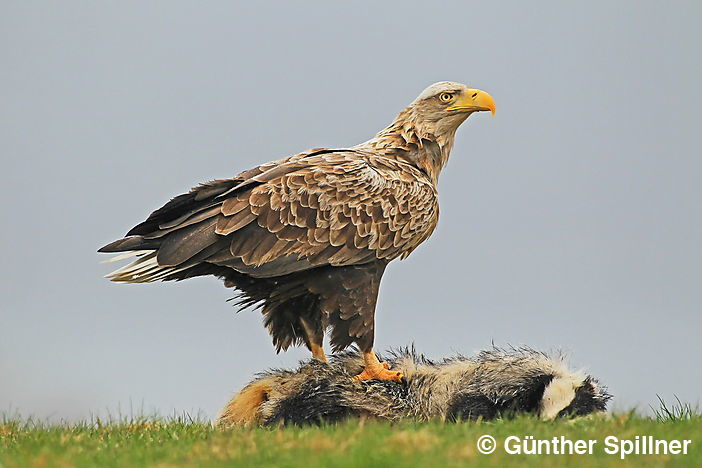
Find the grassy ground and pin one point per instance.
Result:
(356, 443)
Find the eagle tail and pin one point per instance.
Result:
(145, 269)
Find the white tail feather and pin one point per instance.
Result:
(144, 269)
(133, 253)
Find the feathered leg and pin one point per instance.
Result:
(298, 309)
(314, 339)
(349, 296)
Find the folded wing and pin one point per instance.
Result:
(324, 207)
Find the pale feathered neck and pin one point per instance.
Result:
(425, 144)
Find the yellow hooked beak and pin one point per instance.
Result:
(474, 100)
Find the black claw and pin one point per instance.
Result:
(403, 380)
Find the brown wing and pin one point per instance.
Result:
(322, 208)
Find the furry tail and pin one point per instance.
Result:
(245, 408)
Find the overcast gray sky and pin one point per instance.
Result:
(571, 220)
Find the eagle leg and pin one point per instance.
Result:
(377, 370)
(314, 338)
(318, 352)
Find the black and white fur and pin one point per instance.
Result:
(494, 383)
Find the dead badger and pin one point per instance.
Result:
(494, 383)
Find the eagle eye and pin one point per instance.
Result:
(445, 97)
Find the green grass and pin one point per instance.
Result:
(678, 411)
(180, 442)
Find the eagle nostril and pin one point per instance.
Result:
(474, 95)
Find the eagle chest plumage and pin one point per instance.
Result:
(307, 238)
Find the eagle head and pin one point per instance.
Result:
(424, 131)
